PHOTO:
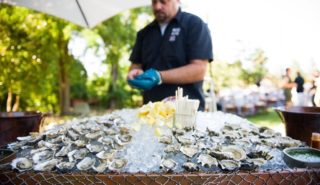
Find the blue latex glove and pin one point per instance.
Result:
(146, 80)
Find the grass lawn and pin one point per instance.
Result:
(268, 118)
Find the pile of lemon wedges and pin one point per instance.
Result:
(157, 114)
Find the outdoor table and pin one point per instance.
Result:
(261, 176)
(296, 176)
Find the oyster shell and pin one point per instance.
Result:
(229, 165)
(93, 135)
(168, 164)
(117, 164)
(165, 139)
(106, 140)
(191, 167)
(258, 161)
(207, 160)
(86, 163)
(184, 140)
(122, 139)
(63, 151)
(21, 164)
(173, 148)
(189, 151)
(212, 132)
(105, 155)
(236, 153)
(65, 165)
(101, 167)
(46, 166)
(95, 148)
(177, 131)
(42, 156)
(80, 143)
(77, 154)
(260, 152)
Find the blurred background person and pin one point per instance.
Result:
(287, 84)
(299, 80)
(317, 90)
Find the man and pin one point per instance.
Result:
(173, 51)
(300, 89)
(287, 86)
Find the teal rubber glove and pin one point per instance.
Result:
(146, 80)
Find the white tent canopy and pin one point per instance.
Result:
(86, 13)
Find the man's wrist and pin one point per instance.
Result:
(160, 77)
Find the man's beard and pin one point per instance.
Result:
(161, 17)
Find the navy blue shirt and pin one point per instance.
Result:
(186, 38)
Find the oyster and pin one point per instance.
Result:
(106, 140)
(235, 152)
(46, 166)
(49, 145)
(77, 154)
(101, 167)
(248, 166)
(95, 148)
(122, 139)
(285, 142)
(220, 155)
(24, 138)
(177, 131)
(86, 163)
(199, 134)
(165, 139)
(229, 165)
(42, 156)
(184, 140)
(168, 164)
(21, 164)
(268, 133)
(63, 151)
(124, 130)
(73, 135)
(80, 143)
(231, 135)
(189, 151)
(173, 148)
(110, 131)
(65, 165)
(93, 135)
(231, 127)
(207, 160)
(104, 155)
(117, 164)
(212, 132)
(53, 133)
(260, 152)
(257, 161)
(191, 167)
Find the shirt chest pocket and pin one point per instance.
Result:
(173, 52)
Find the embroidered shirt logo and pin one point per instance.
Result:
(174, 33)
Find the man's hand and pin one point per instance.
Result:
(146, 80)
(133, 73)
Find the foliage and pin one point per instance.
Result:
(26, 66)
(78, 81)
(118, 34)
(257, 71)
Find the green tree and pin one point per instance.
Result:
(118, 34)
(34, 60)
(257, 71)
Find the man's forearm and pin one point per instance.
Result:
(190, 73)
